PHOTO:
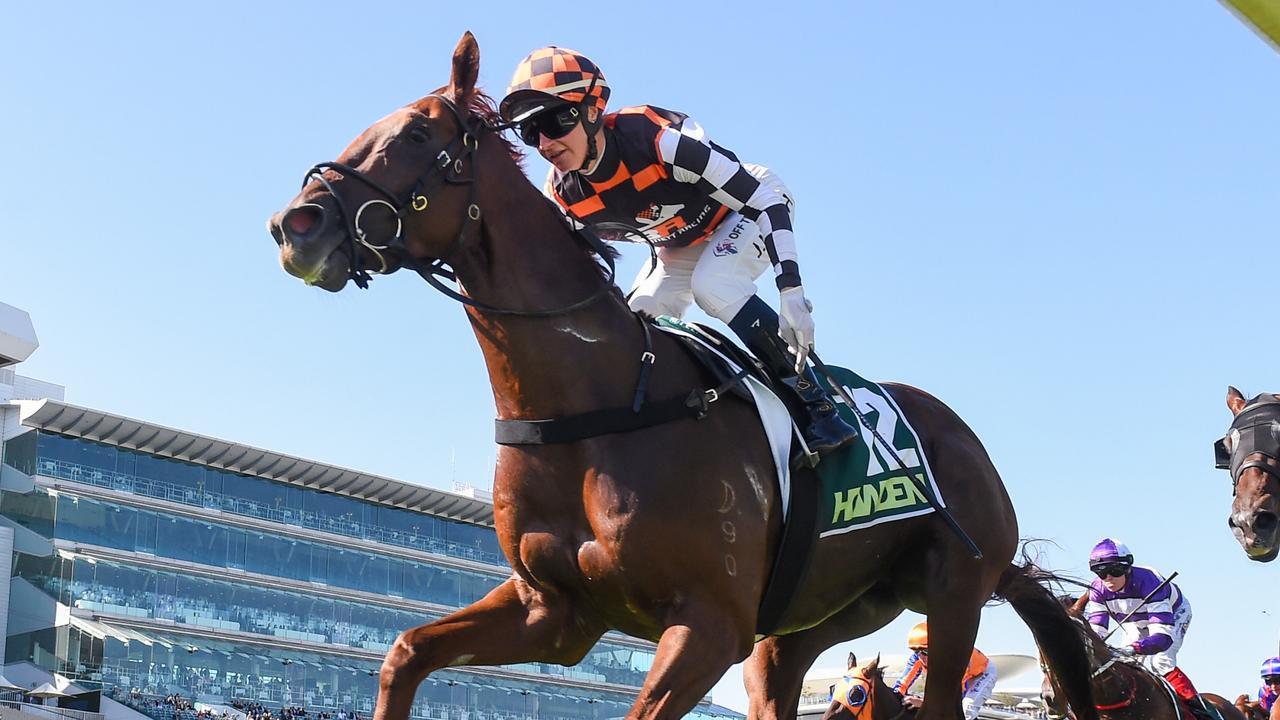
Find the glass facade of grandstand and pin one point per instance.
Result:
(222, 587)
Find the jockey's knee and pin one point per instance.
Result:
(720, 302)
(647, 304)
(653, 305)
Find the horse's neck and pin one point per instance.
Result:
(887, 698)
(527, 259)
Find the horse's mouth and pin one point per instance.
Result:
(310, 249)
(1259, 545)
(330, 272)
(333, 273)
(1262, 553)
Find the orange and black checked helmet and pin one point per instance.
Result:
(553, 75)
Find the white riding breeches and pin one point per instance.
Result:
(718, 274)
(978, 694)
(1166, 660)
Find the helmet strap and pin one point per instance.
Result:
(593, 152)
(588, 125)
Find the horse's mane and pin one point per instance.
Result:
(481, 105)
(1068, 601)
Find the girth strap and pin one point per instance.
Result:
(595, 423)
(603, 422)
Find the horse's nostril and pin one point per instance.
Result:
(1264, 522)
(300, 221)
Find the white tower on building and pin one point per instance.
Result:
(17, 336)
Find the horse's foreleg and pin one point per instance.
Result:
(692, 656)
(513, 623)
(775, 672)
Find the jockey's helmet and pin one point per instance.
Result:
(553, 77)
(1109, 552)
(918, 638)
(1270, 668)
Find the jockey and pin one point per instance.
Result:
(979, 676)
(1270, 683)
(717, 223)
(1154, 628)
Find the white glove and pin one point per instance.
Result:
(796, 323)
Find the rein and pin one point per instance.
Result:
(1254, 431)
(446, 170)
(1102, 669)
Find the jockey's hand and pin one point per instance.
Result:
(796, 323)
(1128, 650)
(912, 702)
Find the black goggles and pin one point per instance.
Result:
(1111, 570)
(1271, 680)
(553, 124)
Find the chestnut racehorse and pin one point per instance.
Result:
(1251, 452)
(1123, 689)
(666, 532)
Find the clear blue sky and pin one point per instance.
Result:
(1060, 219)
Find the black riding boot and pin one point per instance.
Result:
(757, 325)
(1203, 710)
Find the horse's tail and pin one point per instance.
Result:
(1055, 633)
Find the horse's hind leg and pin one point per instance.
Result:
(774, 674)
(955, 601)
(513, 623)
(696, 649)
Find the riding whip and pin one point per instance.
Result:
(918, 482)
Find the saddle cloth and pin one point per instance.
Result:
(862, 484)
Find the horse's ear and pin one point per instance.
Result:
(1235, 400)
(853, 661)
(874, 665)
(466, 67)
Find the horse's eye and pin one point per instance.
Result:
(419, 135)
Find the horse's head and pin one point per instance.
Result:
(1055, 703)
(862, 694)
(402, 193)
(1251, 452)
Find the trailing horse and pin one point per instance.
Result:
(1251, 452)
(1123, 689)
(862, 694)
(669, 531)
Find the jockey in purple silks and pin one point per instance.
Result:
(1155, 626)
(1270, 683)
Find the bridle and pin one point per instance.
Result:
(855, 692)
(447, 169)
(1126, 700)
(1254, 431)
